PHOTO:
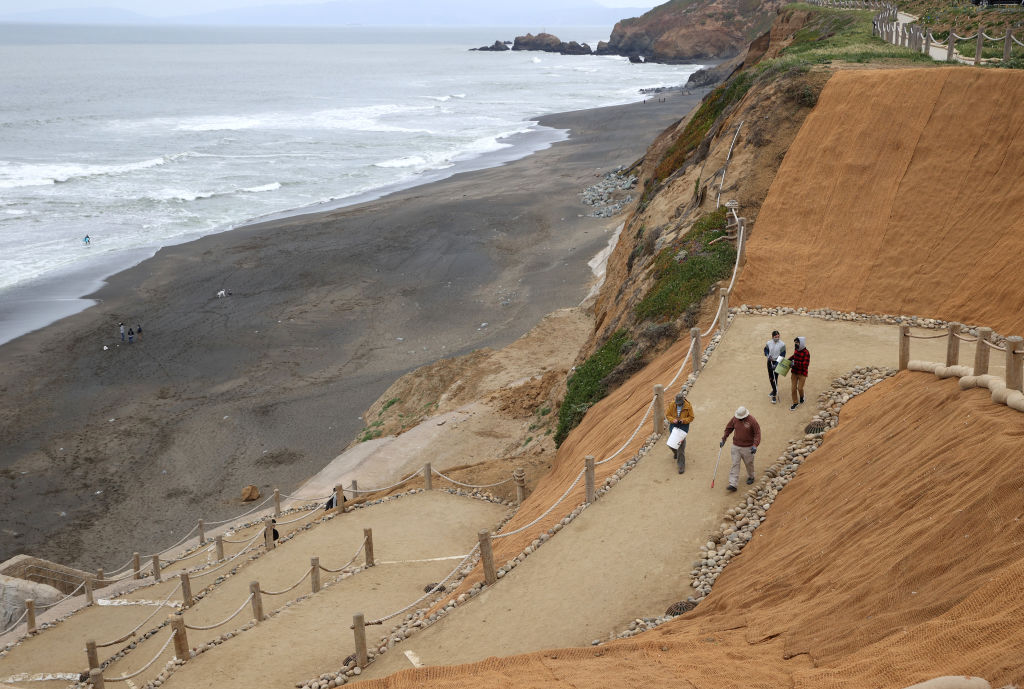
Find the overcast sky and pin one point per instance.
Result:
(170, 8)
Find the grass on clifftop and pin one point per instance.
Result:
(585, 387)
(682, 281)
(832, 34)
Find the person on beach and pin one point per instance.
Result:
(131, 335)
(745, 440)
(138, 331)
(774, 351)
(121, 326)
(680, 415)
(798, 372)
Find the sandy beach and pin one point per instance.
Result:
(109, 451)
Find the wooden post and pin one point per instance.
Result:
(696, 351)
(904, 346)
(92, 654)
(981, 352)
(927, 42)
(979, 47)
(180, 636)
(1007, 44)
(137, 565)
(277, 503)
(30, 621)
(428, 478)
(723, 308)
(268, 534)
(368, 535)
(218, 543)
(314, 573)
(89, 598)
(1013, 361)
(487, 557)
(257, 601)
(99, 577)
(659, 409)
(186, 590)
(156, 567)
(202, 533)
(588, 477)
(339, 498)
(359, 631)
(953, 344)
(519, 476)
(354, 488)
(96, 679)
(950, 45)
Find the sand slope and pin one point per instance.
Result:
(900, 194)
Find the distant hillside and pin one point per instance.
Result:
(692, 30)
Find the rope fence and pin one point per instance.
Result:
(1010, 387)
(15, 623)
(132, 633)
(223, 622)
(124, 678)
(347, 564)
(437, 587)
(290, 588)
(470, 485)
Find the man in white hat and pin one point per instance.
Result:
(744, 445)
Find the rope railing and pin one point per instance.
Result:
(292, 521)
(180, 542)
(295, 497)
(229, 560)
(437, 587)
(156, 609)
(469, 485)
(245, 514)
(125, 678)
(196, 553)
(290, 588)
(15, 623)
(393, 485)
(546, 512)
(964, 338)
(993, 345)
(347, 564)
(200, 628)
(630, 439)
(50, 605)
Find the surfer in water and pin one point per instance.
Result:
(85, 240)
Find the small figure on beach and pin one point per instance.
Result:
(680, 415)
(744, 445)
(86, 240)
(121, 326)
(131, 335)
(801, 362)
(138, 331)
(774, 351)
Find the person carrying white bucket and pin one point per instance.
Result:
(744, 445)
(680, 416)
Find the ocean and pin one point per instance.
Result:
(145, 137)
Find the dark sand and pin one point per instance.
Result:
(266, 386)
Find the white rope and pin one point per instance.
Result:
(156, 609)
(630, 439)
(718, 201)
(110, 574)
(393, 485)
(290, 588)
(297, 519)
(221, 624)
(926, 337)
(295, 497)
(965, 339)
(994, 346)
(246, 514)
(229, 560)
(196, 553)
(145, 667)
(682, 367)
(16, 622)
(1014, 39)
(172, 547)
(993, 38)
(432, 591)
(346, 565)
(468, 485)
(718, 312)
(50, 605)
(546, 512)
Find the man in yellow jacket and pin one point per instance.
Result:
(680, 415)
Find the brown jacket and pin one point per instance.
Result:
(685, 418)
(748, 432)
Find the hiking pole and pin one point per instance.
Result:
(716, 465)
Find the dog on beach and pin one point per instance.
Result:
(222, 293)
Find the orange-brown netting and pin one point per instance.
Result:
(894, 556)
(901, 194)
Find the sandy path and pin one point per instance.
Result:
(629, 555)
(426, 525)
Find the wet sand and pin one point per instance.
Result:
(105, 452)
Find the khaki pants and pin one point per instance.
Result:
(796, 384)
(747, 456)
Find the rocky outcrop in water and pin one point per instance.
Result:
(550, 43)
(497, 46)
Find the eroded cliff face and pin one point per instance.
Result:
(692, 30)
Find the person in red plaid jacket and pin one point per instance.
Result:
(798, 372)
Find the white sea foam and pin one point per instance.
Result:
(273, 186)
(14, 175)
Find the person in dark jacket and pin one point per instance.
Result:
(744, 445)
(774, 351)
(798, 371)
(680, 415)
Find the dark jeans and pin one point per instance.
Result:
(773, 377)
(680, 453)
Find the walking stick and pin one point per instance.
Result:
(716, 466)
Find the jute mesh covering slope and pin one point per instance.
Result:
(900, 194)
(894, 556)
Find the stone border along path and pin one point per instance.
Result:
(881, 345)
(71, 638)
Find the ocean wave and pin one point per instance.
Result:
(15, 175)
(443, 159)
(273, 186)
(370, 118)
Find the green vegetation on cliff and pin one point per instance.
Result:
(585, 385)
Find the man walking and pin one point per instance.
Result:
(121, 327)
(744, 445)
(680, 415)
(774, 351)
(798, 372)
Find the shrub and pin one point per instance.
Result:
(585, 388)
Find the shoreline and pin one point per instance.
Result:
(267, 386)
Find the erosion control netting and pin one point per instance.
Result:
(894, 556)
(887, 203)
